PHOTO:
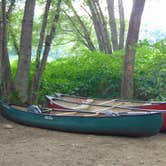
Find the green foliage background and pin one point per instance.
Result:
(150, 72)
(91, 74)
(95, 74)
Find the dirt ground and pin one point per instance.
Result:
(25, 146)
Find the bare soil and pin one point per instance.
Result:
(25, 146)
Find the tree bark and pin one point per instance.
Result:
(23, 70)
(1, 39)
(5, 78)
(10, 29)
(81, 37)
(14, 39)
(86, 35)
(96, 25)
(129, 58)
(106, 38)
(122, 24)
(48, 42)
(100, 26)
(42, 33)
(35, 78)
(112, 22)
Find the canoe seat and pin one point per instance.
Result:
(88, 101)
(81, 107)
(84, 105)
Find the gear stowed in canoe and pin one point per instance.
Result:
(74, 102)
(127, 123)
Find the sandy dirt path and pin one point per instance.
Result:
(25, 146)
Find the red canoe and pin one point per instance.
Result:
(62, 101)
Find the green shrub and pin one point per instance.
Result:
(95, 74)
(92, 74)
(150, 71)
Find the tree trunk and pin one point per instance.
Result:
(5, 78)
(10, 28)
(112, 22)
(48, 42)
(100, 26)
(23, 70)
(42, 33)
(106, 38)
(35, 78)
(86, 34)
(1, 40)
(14, 39)
(96, 25)
(77, 29)
(122, 24)
(132, 38)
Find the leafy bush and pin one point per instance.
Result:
(99, 75)
(92, 74)
(150, 71)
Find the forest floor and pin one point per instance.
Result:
(25, 146)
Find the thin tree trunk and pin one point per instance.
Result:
(10, 29)
(38, 53)
(103, 28)
(112, 22)
(14, 39)
(1, 39)
(48, 42)
(132, 38)
(84, 29)
(122, 24)
(23, 70)
(42, 33)
(106, 38)
(4, 59)
(78, 32)
(100, 26)
(96, 25)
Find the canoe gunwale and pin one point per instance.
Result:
(120, 114)
(120, 100)
(53, 99)
(132, 108)
(130, 125)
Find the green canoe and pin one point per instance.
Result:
(125, 123)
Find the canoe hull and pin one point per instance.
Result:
(158, 107)
(140, 125)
